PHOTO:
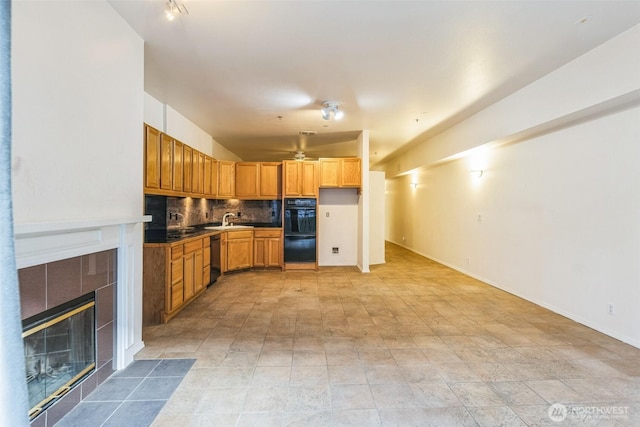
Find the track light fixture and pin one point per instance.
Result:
(174, 9)
(329, 107)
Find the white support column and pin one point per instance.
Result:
(363, 204)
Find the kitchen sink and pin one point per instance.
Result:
(229, 227)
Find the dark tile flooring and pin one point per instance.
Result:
(132, 397)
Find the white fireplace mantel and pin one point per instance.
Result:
(40, 243)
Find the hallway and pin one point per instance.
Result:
(412, 343)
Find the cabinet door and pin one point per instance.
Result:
(226, 179)
(292, 174)
(188, 276)
(223, 253)
(239, 250)
(198, 266)
(178, 163)
(246, 179)
(201, 157)
(152, 158)
(166, 162)
(259, 255)
(207, 176)
(270, 180)
(329, 172)
(214, 177)
(273, 252)
(197, 173)
(187, 154)
(351, 174)
(309, 184)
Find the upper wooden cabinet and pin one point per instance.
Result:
(226, 179)
(187, 157)
(300, 178)
(214, 177)
(258, 180)
(340, 173)
(151, 157)
(247, 179)
(178, 165)
(270, 180)
(166, 162)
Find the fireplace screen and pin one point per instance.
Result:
(59, 350)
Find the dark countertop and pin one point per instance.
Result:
(177, 235)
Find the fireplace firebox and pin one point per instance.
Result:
(59, 350)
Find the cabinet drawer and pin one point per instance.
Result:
(177, 252)
(192, 246)
(267, 233)
(206, 241)
(239, 234)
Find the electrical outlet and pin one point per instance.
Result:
(611, 309)
(468, 260)
(327, 214)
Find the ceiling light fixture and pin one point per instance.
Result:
(174, 9)
(329, 107)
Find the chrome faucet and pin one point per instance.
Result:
(225, 218)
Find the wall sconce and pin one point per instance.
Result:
(414, 185)
(476, 173)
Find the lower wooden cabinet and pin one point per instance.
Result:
(267, 248)
(239, 250)
(173, 275)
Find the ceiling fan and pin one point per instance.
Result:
(300, 155)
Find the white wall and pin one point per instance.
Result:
(558, 207)
(377, 217)
(172, 122)
(340, 228)
(77, 72)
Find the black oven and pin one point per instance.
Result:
(299, 230)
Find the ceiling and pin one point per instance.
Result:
(253, 74)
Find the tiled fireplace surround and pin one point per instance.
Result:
(58, 261)
(48, 285)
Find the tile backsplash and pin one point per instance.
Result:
(177, 212)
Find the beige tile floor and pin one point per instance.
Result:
(412, 343)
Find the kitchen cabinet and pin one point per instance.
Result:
(214, 177)
(226, 179)
(270, 180)
(175, 290)
(267, 248)
(178, 164)
(300, 178)
(340, 172)
(247, 179)
(166, 162)
(207, 176)
(152, 157)
(258, 180)
(173, 276)
(187, 157)
(197, 172)
(239, 246)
